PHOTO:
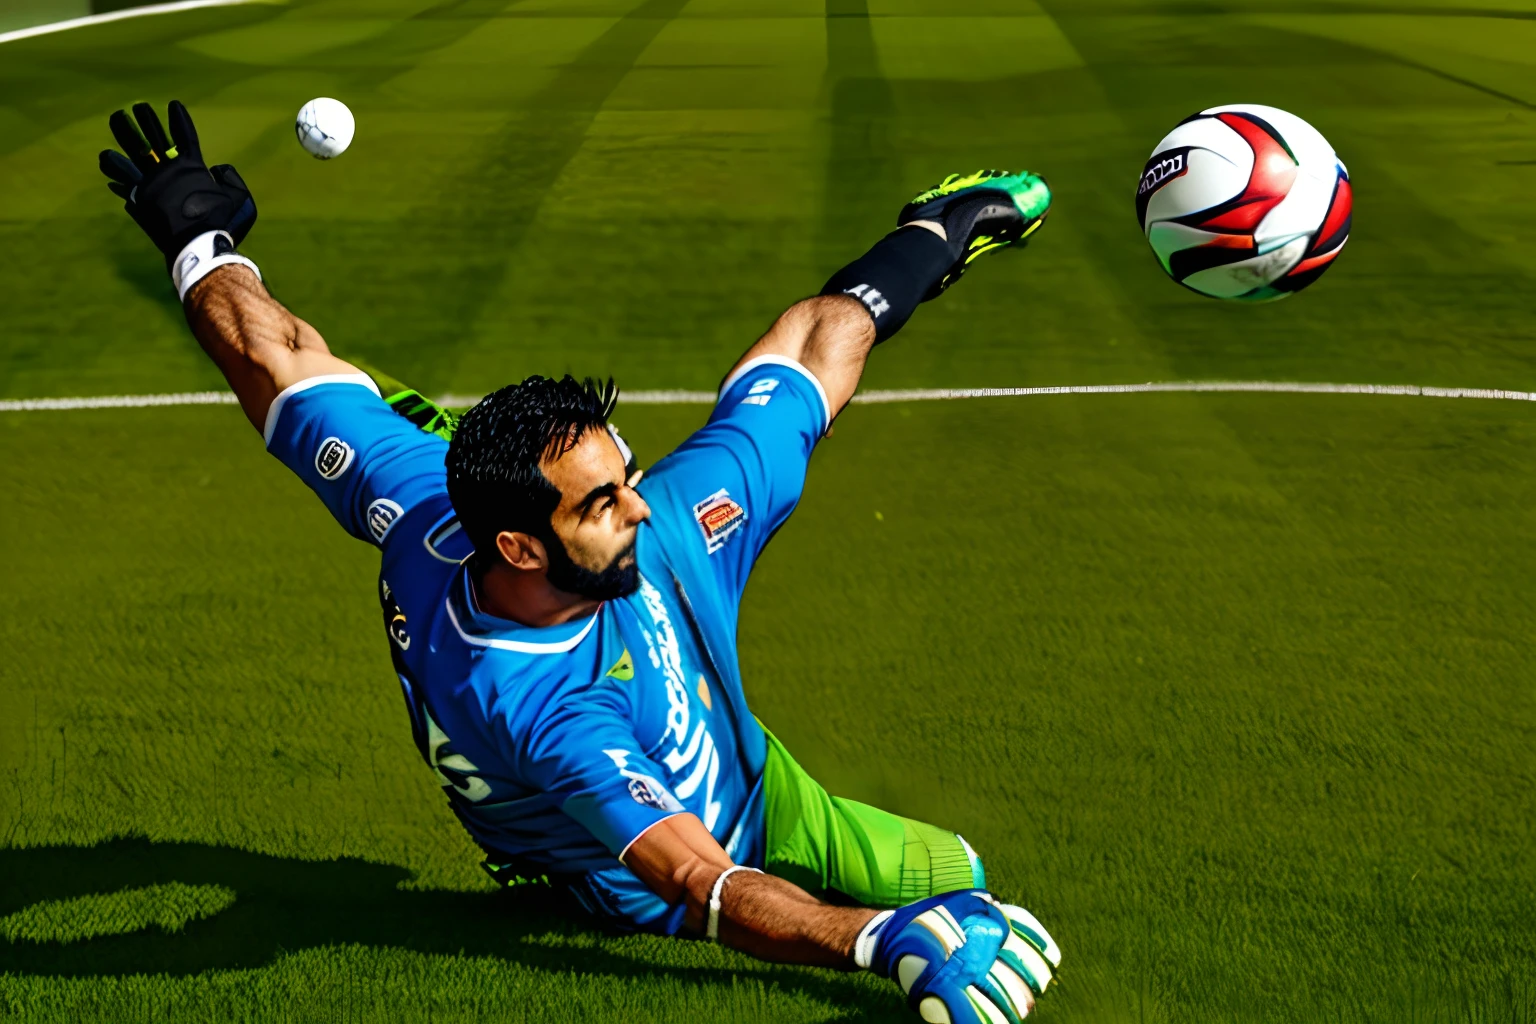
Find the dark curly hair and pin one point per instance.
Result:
(494, 479)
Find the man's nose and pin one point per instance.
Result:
(639, 511)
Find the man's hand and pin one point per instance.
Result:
(962, 957)
(167, 188)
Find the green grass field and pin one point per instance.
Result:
(1234, 691)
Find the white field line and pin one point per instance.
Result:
(117, 401)
(680, 397)
(102, 19)
(1280, 387)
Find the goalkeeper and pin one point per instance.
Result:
(564, 631)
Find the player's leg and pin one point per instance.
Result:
(940, 233)
(828, 844)
(430, 416)
(966, 216)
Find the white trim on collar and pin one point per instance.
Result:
(521, 646)
(276, 408)
(752, 364)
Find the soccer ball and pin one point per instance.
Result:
(1245, 202)
(324, 127)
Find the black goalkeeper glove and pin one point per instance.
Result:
(168, 189)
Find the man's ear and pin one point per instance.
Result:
(522, 550)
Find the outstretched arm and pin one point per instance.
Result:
(196, 216)
(961, 956)
(260, 347)
(759, 914)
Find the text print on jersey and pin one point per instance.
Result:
(700, 750)
(394, 618)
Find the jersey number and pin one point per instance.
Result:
(452, 771)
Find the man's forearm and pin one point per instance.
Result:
(772, 919)
(765, 916)
(260, 346)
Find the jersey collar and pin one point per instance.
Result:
(481, 629)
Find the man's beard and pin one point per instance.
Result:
(613, 582)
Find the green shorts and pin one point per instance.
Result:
(833, 847)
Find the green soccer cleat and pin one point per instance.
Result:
(981, 212)
(410, 403)
(425, 413)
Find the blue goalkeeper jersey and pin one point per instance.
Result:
(557, 747)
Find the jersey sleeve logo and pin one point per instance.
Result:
(382, 515)
(718, 516)
(652, 793)
(761, 391)
(646, 789)
(334, 458)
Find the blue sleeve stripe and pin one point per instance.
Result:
(276, 408)
(785, 361)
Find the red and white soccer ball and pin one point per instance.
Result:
(1245, 202)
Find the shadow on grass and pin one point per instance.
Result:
(284, 905)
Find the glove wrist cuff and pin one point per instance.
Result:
(201, 256)
(864, 945)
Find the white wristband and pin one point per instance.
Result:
(712, 932)
(204, 254)
(864, 945)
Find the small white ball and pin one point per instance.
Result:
(324, 127)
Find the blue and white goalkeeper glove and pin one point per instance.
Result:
(962, 957)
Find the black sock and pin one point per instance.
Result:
(894, 276)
